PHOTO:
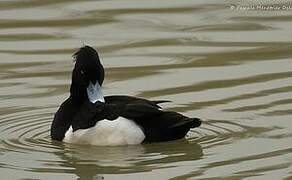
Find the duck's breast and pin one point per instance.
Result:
(120, 131)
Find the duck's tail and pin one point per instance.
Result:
(188, 122)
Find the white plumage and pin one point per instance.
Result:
(107, 133)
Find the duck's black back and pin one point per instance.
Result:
(157, 125)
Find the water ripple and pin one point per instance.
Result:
(230, 68)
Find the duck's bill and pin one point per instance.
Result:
(94, 93)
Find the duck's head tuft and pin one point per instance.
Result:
(87, 63)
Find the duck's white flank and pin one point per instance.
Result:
(107, 133)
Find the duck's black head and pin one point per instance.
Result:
(88, 64)
(87, 69)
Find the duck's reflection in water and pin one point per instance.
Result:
(91, 162)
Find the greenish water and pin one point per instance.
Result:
(215, 60)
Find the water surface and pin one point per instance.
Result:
(230, 67)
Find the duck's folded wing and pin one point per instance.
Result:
(166, 126)
(90, 113)
(121, 99)
(140, 111)
(158, 125)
